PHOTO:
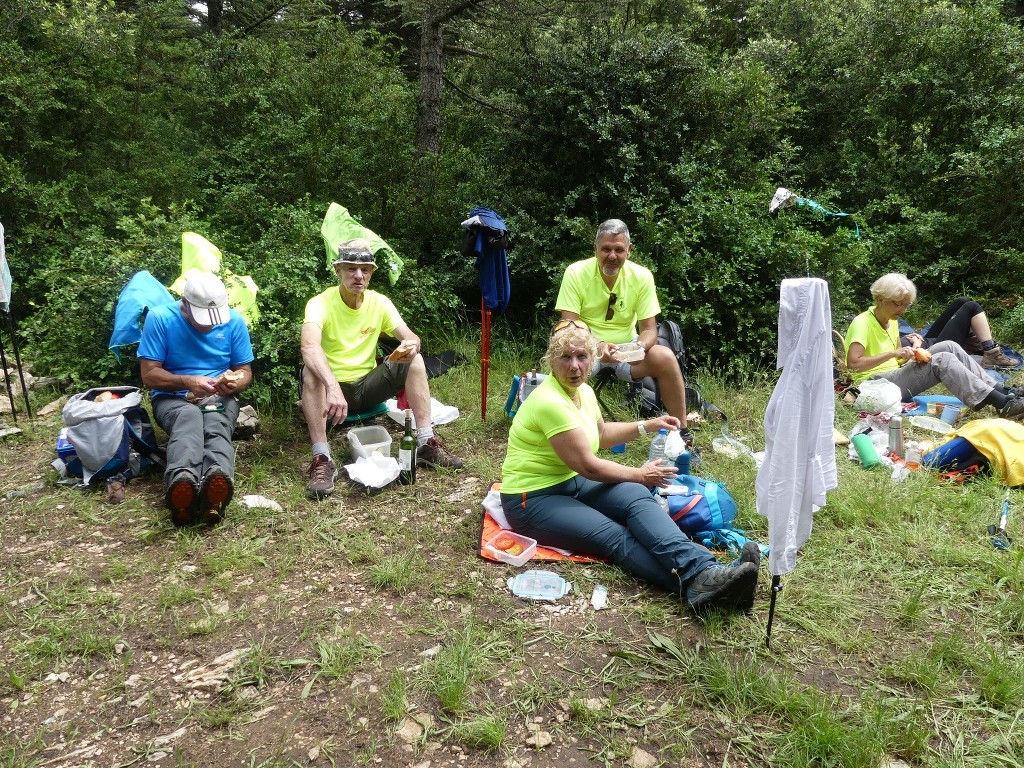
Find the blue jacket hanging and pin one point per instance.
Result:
(487, 240)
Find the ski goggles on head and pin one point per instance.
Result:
(561, 325)
(355, 256)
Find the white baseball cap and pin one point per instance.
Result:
(207, 298)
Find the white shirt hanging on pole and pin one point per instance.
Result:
(5, 275)
(800, 458)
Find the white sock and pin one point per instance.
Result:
(422, 435)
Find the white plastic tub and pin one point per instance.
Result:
(365, 440)
(528, 545)
(629, 353)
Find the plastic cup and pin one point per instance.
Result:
(950, 414)
(865, 450)
(913, 459)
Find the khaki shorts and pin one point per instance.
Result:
(383, 382)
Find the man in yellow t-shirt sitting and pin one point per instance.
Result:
(340, 374)
(616, 298)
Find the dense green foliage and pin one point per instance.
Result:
(123, 125)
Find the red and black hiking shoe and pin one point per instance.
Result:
(182, 498)
(215, 495)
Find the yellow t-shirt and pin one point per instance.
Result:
(584, 292)
(531, 463)
(868, 332)
(349, 336)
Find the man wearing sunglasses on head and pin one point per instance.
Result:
(340, 374)
(617, 299)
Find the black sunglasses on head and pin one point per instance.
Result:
(354, 256)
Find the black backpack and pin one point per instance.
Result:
(643, 395)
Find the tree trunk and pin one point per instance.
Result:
(215, 16)
(428, 105)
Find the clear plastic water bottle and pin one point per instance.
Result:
(658, 445)
(662, 501)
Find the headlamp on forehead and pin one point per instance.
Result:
(356, 255)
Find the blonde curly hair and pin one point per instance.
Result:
(571, 333)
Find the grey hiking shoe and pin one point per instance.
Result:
(1014, 408)
(996, 358)
(322, 474)
(433, 454)
(724, 586)
(751, 553)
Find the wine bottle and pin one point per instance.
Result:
(407, 453)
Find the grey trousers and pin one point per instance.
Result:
(197, 439)
(950, 365)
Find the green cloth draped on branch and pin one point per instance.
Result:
(339, 226)
(783, 198)
(198, 253)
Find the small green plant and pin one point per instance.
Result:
(174, 593)
(338, 658)
(1001, 680)
(483, 732)
(395, 696)
(913, 605)
(451, 675)
(395, 572)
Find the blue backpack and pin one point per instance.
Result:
(706, 506)
(105, 438)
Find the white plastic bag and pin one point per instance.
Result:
(674, 445)
(373, 471)
(439, 412)
(879, 396)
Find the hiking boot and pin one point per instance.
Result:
(433, 454)
(1014, 408)
(215, 495)
(724, 586)
(115, 490)
(182, 498)
(751, 553)
(322, 474)
(996, 358)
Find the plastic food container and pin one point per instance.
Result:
(366, 440)
(629, 353)
(539, 585)
(931, 423)
(529, 547)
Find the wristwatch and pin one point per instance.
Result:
(641, 428)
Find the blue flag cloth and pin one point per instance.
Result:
(143, 292)
(487, 239)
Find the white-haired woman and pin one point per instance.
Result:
(556, 489)
(874, 350)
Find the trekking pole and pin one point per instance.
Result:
(776, 588)
(17, 359)
(999, 538)
(7, 379)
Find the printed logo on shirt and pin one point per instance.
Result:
(367, 331)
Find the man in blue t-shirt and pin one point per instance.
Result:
(195, 357)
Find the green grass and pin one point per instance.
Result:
(898, 636)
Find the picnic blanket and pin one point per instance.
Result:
(490, 527)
